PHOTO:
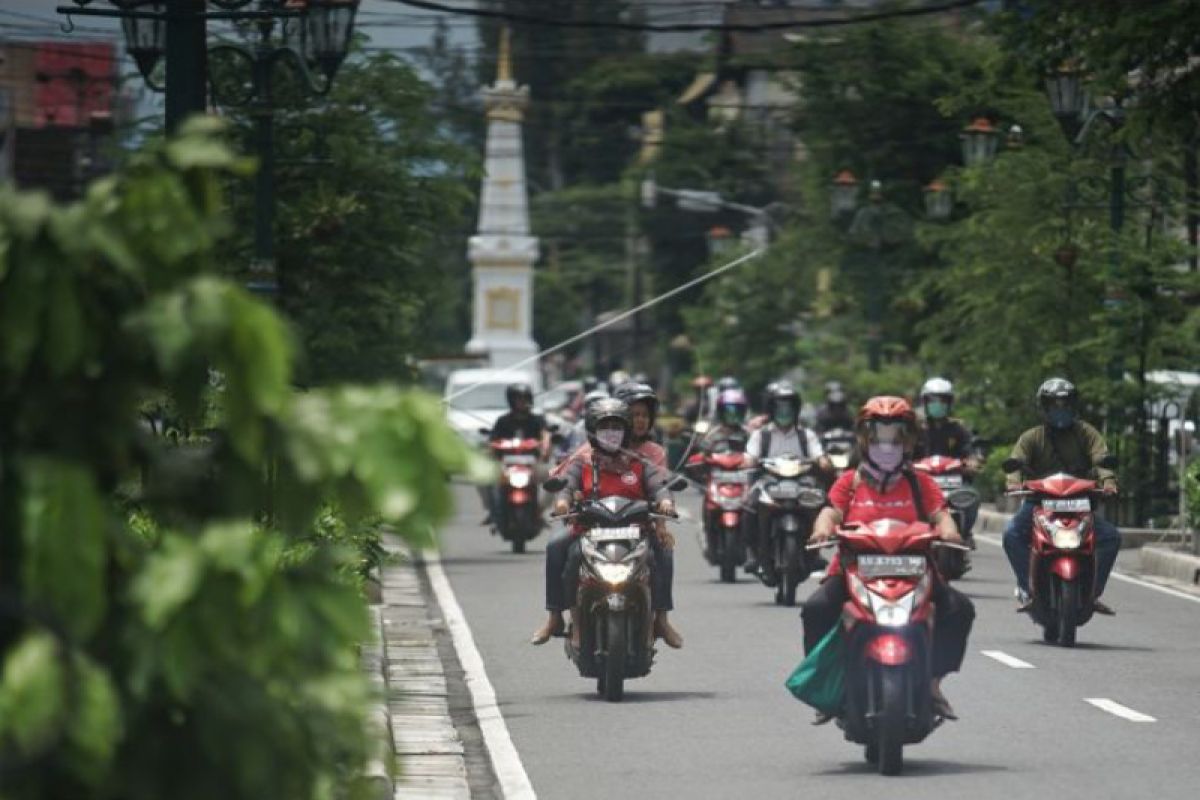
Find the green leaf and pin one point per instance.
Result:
(96, 728)
(32, 703)
(63, 524)
(169, 580)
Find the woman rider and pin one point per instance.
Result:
(886, 487)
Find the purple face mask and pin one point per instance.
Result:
(887, 457)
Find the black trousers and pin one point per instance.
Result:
(953, 616)
(562, 573)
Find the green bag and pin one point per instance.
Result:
(820, 679)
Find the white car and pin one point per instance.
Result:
(475, 399)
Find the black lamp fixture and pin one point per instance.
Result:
(979, 141)
(843, 193)
(328, 28)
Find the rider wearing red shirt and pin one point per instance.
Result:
(886, 487)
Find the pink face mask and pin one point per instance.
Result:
(610, 441)
(887, 456)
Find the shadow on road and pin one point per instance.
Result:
(634, 697)
(916, 767)
(1100, 646)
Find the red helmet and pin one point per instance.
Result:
(884, 409)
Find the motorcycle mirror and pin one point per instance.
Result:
(1012, 465)
(555, 485)
(485, 431)
(678, 485)
(552, 427)
(1108, 461)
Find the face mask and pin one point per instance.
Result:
(936, 409)
(610, 440)
(1061, 417)
(732, 416)
(784, 416)
(886, 456)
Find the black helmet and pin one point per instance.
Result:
(516, 390)
(1058, 400)
(780, 392)
(591, 397)
(631, 392)
(728, 382)
(608, 408)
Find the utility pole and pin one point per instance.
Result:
(187, 61)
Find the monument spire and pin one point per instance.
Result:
(502, 252)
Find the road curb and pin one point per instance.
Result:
(420, 729)
(1169, 563)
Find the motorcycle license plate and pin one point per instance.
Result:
(599, 535)
(949, 481)
(880, 566)
(1067, 504)
(519, 459)
(728, 476)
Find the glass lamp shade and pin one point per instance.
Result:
(843, 194)
(146, 37)
(328, 26)
(979, 141)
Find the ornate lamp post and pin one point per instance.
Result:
(939, 201)
(979, 141)
(310, 37)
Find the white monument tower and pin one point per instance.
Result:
(502, 253)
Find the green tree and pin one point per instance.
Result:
(160, 635)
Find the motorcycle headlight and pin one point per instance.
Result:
(518, 479)
(1064, 537)
(612, 574)
(893, 615)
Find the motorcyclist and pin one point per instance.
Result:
(782, 436)
(729, 434)
(519, 423)
(1063, 443)
(577, 438)
(610, 440)
(885, 486)
(940, 434)
(834, 413)
(760, 420)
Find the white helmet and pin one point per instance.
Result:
(937, 387)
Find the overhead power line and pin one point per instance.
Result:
(684, 27)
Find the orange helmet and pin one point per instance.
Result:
(885, 408)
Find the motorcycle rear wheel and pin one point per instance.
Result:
(614, 658)
(890, 724)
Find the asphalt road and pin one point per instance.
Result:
(713, 720)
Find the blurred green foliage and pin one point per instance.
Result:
(175, 614)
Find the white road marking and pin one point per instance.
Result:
(1104, 704)
(506, 762)
(1007, 660)
(1115, 575)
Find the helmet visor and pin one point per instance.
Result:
(888, 431)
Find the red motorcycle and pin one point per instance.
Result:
(889, 573)
(726, 486)
(1062, 571)
(517, 516)
(950, 475)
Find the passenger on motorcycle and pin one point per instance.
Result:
(610, 467)
(940, 434)
(782, 436)
(886, 487)
(1063, 443)
(519, 423)
(729, 434)
(834, 413)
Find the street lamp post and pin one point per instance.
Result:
(313, 37)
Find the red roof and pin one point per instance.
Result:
(75, 82)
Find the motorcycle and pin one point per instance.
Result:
(791, 495)
(950, 474)
(616, 636)
(889, 573)
(1062, 573)
(517, 514)
(839, 445)
(726, 485)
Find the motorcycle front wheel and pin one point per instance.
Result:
(1068, 612)
(613, 679)
(893, 707)
(790, 580)
(729, 555)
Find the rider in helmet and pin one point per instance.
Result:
(613, 448)
(834, 414)
(761, 420)
(519, 423)
(782, 436)
(940, 434)
(885, 486)
(729, 434)
(1062, 443)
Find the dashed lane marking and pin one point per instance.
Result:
(1007, 660)
(1116, 709)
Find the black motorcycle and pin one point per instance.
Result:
(790, 496)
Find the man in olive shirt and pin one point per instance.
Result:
(1063, 444)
